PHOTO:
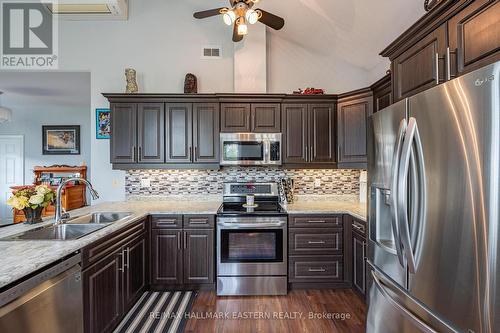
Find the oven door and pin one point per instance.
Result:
(247, 247)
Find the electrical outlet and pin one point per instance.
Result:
(145, 182)
(317, 183)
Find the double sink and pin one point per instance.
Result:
(73, 229)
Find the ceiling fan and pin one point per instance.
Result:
(239, 14)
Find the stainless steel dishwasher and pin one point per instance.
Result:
(50, 301)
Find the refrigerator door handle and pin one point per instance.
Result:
(394, 190)
(423, 326)
(402, 193)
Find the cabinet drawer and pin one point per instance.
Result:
(199, 221)
(315, 241)
(166, 221)
(315, 221)
(107, 245)
(315, 269)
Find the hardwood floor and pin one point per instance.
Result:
(342, 311)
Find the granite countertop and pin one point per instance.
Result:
(20, 258)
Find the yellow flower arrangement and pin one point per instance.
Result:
(32, 197)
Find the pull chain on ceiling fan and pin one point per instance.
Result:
(241, 13)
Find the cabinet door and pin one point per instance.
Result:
(295, 134)
(102, 292)
(322, 133)
(475, 36)
(358, 262)
(421, 66)
(179, 133)
(352, 121)
(198, 256)
(123, 133)
(266, 118)
(135, 272)
(206, 132)
(151, 132)
(166, 257)
(235, 118)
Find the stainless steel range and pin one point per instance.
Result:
(251, 241)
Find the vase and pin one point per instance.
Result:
(33, 216)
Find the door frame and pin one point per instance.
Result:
(23, 159)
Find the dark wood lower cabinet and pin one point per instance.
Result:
(112, 285)
(102, 290)
(166, 257)
(358, 262)
(198, 256)
(182, 257)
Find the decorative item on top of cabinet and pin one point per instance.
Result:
(354, 108)
(131, 77)
(190, 84)
(429, 4)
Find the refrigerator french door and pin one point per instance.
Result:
(434, 209)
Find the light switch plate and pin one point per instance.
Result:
(317, 183)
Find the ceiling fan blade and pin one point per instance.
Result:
(271, 20)
(208, 13)
(236, 37)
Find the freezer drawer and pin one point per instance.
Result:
(393, 311)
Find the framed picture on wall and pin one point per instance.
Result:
(61, 140)
(103, 123)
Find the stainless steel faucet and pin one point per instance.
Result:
(60, 217)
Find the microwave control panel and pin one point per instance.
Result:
(275, 152)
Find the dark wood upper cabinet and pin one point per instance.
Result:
(123, 133)
(166, 257)
(235, 118)
(422, 66)
(206, 132)
(353, 113)
(151, 132)
(135, 282)
(382, 93)
(266, 118)
(198, 256)
(322, 133)
(295, 133)
(179, 133)
(474, 36)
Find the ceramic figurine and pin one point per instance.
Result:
(190, 84)
(131, 76)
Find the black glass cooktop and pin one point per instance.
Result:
(262, 208)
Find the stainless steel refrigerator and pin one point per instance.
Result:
(434, 200)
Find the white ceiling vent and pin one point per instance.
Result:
(89, 10)
(211, 52)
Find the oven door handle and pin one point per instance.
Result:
(271, 225)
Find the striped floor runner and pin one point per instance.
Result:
(157, 312)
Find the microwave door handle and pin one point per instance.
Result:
(402, 192)
(394, 191)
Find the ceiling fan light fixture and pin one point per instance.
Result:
(5, 115)
(229, 17)
(252, 16)
(242, 29)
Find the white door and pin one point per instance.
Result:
(11, 171)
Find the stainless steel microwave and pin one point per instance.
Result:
(250, 148)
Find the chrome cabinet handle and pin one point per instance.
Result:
(311, 154)
(423, 326)
(394, 190)
(316, 242)
(358, 227)
(317, 270)
(316, 221)
(134, 153)
(437, 68)
(166, 221)
(198, 221)
(307, 154)
(139, 157)
(122, 269)
(126, 258)
(185, 240)
(401, 195)
(448, 64)
(195, 154)
(191, 154)
(178, 241)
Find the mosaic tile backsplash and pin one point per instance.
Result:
(195, 182)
